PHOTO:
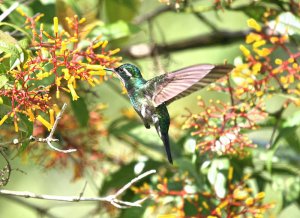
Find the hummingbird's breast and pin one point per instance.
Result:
(142, 103)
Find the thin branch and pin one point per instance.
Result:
(112, 199)
(151, 15)
(40, 210)
(211, 39)
(155, 57)
(6, 169)
(9, 10)
(206, 21)
(50, 138)
(278, 116)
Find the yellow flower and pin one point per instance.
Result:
(278, 61)
(262, 52)
(66, 73)
(249, 201)
(252, 37)
(44, 122)
(30, 114)
(16, 125)
(223, 204)
(259, 93)
(167, 216)
(57, 93)
(82, 20)
(205, 205)
(256, 68)
(51, 113)
(260, 195)
(245, 51)
(3, 119)
(114, 51)
(94, 67)
(253, 24)
(230, 173)
(97, 44)
(73, 92)
(259, 43)
(55, 21)
(274, 39)
(240, 194)
(104, 44)
(129, 113)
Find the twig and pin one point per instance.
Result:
(42, 211)
(151, 15)
(155, 56)
(206, 21)
(9, 10)
(278, 116)
(112, 199)
(211, 39)
(50, 138)
(7, 168)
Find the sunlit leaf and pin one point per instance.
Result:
(116, 30)
(123, 175)
(3, 80)
(286, 22)
(121, 9)
(186, 166)
(80, 111)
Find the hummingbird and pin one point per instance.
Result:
(150, 98)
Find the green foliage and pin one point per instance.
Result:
(80, 111)
(119, 147)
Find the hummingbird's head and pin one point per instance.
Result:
(127, 72)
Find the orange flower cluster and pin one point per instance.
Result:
(263, 73)
(58, 61)
(239, 199)
(221, 127)
(84, 140)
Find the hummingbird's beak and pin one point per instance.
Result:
(110, 70)
(114, 73)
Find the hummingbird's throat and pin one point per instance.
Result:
(122, 80)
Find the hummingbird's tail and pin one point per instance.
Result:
(165, 139)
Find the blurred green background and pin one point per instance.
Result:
(120, 25)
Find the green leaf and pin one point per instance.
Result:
(117, 30)
(27, 127)
(122, 125)
(3, 80)
(185, 165)
(4, 66)
(121, 9)
(123, 175)
(254, 11)
(10, 45)
(81, 111)
(190, 210)
(273, 195)
(24, 43)
(292, 121)
(121, 29)
(16, 28)
(287, 21)
(135, 211)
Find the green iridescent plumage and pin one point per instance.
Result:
(150, 98)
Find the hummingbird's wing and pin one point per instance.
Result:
(171, 86)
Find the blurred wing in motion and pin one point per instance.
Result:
(180, 83)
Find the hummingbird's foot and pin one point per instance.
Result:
(147, 125)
